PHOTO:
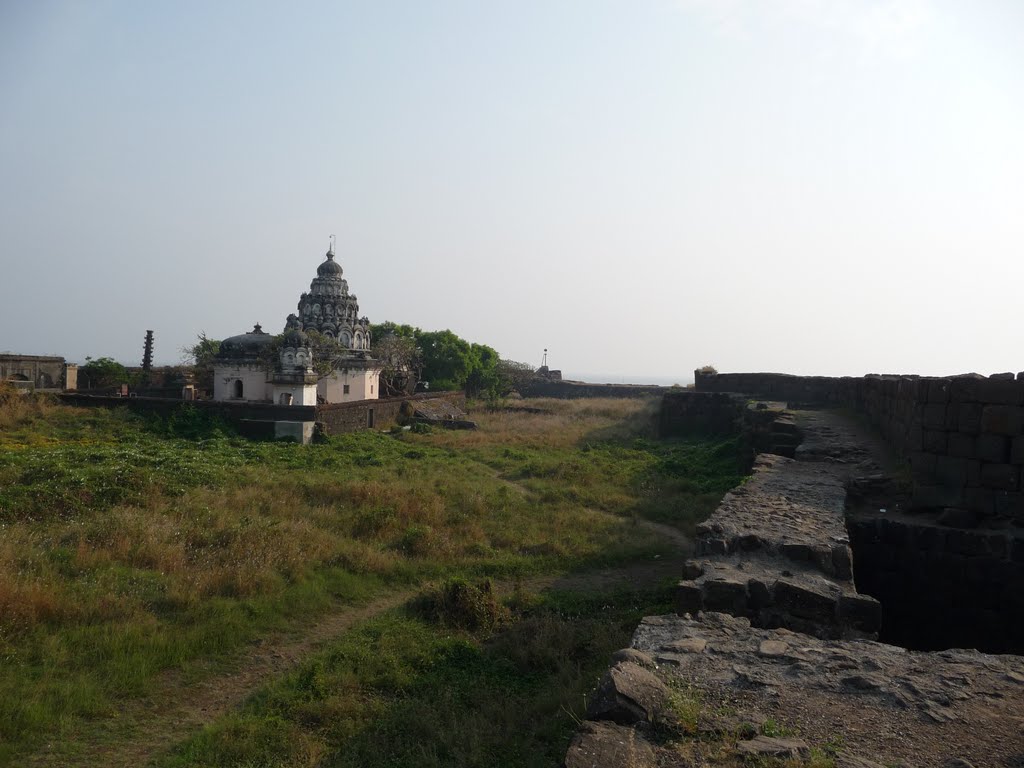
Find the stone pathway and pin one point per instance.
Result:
(776, 553)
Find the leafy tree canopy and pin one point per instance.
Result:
(103, 372)
(445, 360)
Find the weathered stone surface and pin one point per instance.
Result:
(628, 694)
(954, 517)
(1002, 420)
(768, 746)
(687, 645)
(634, 656)
(689, 598)
(1004, 477)
(994, 448)
(846, 760)
(772, 648)
(604, 745)
(805, 602)
(726, 595)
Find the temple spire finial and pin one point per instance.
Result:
(330, 248)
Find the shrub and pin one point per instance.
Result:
(461, 605)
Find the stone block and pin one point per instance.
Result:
(725, 596)
(938, 390)
(1009, 505)
(711, 546)
(961, 444)
(760, 594)
(934, 441)
(1001, 391)
(967, 543)
(1017, 451)
(611, 746)
(951, 471)
(934, 416)
(992, 448)
(964, 389)
(628, 694)
(922, 464)
(689, 598)
(998, 545)
(981, 500)
(973, 473)
(969, 418)
(860, 612)
(1002, 420)
(804, 602)
(798, 553)
(692, 569)
(915, 438)
(956, 517)
(842, 562)
(761, 747)
(1003, 477)
(1017, 550)
(926, 496)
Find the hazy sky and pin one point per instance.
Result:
(809, 186)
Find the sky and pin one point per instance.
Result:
(830, 187)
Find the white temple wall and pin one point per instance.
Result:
(253, 377)
(301, 394)
(362, 384)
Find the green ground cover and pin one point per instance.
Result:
(130, 548)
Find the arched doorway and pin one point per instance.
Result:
(237, 389)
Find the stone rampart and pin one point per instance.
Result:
(962, 436)
(564, 389)
(336, 418)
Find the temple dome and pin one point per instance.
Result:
(330, 268)
(245, 345)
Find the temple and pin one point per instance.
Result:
(259, 367)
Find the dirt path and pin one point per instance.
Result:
(145, 729)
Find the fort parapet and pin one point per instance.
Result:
(962, 437)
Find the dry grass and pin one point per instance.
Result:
(124, 552)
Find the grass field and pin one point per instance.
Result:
(133, 550)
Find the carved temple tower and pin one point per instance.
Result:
(330, 309)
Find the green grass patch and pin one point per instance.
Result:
(403, 690)
(130, 548)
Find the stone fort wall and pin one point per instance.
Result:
(336, 418)
(962, 437)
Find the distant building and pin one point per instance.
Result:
(38, 371)
(247, 368)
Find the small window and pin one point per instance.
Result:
(286, 398)
(344, 389)
(369, 418)
(371, 389)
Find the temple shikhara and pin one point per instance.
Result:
(258, 367)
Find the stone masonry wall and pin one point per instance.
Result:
(338, 418)
(962, 436)
(571, 390)
(941, 587)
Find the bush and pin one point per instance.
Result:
(460, 605)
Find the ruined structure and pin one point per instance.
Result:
(826, 595)
(39, 371)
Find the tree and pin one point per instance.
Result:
(201, 357)
(447, 359)
(103, 372)
(401, 363)
(483, 379)
(514, 376)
